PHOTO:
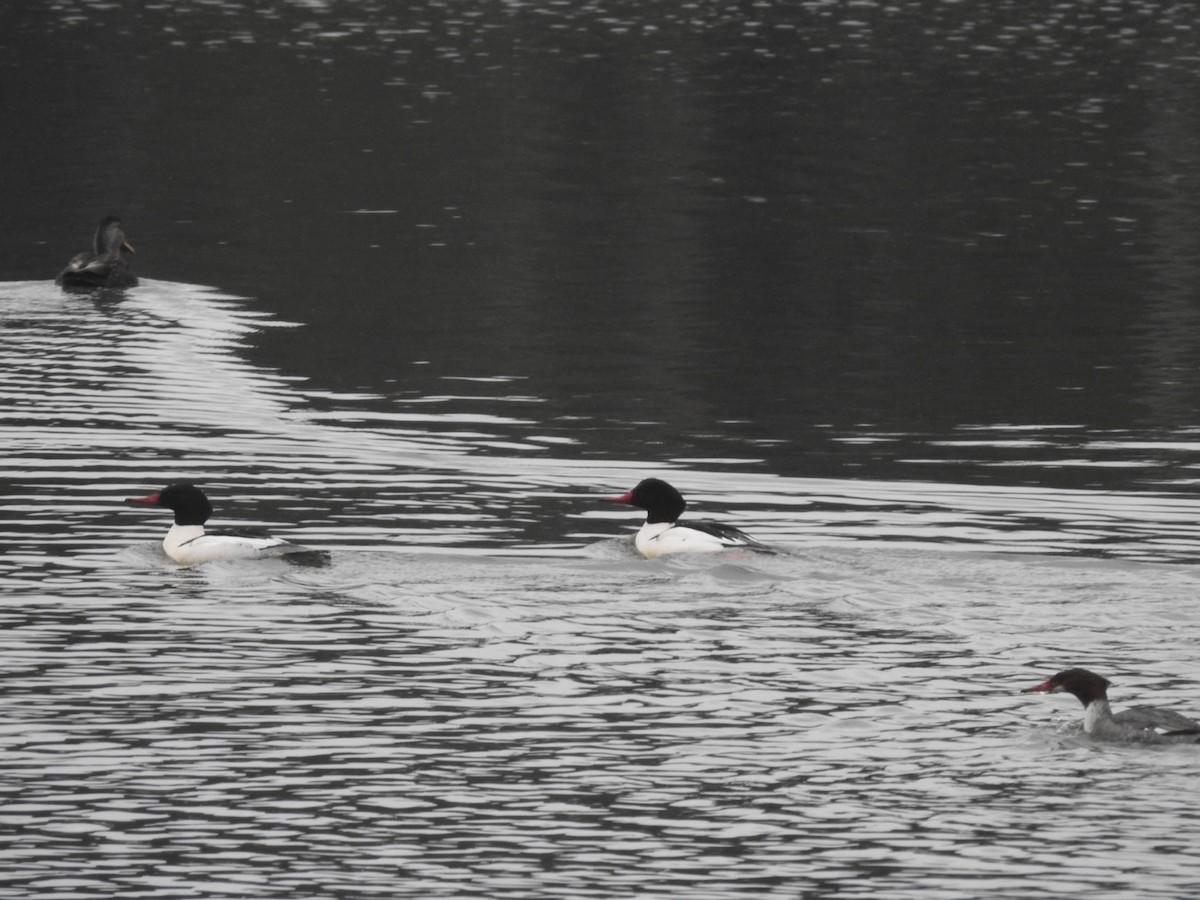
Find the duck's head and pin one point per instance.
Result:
(187, 501)
(110, 238)
(661, 501)
(1085, 685)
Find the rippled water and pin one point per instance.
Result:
(433, 715)
(107, 396)
(903, 289)
(828, 722)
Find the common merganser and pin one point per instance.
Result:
(102, 266)
(663, 533)
(189, 544)
(1143, 724)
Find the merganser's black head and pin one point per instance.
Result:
(187, 501)
(1087, 686)
(661, 501)
(110, 239)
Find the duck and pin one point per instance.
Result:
(189, 544)
(102, 266)
(1139, 724)
(663, 533)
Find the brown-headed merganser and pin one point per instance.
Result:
(663, 533)
(1143, 724)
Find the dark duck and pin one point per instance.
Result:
(102, 266)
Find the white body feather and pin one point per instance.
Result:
(660, 538)
(189, 545)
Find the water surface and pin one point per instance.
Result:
(903, 289)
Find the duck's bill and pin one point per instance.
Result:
(1044, 688)
(624, 498)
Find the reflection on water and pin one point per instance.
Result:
(596, 727)
(415, 723)
(906, 289)
(713, 222)
(577, 722)
(112, 395)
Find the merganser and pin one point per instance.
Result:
(1143, 724)
(187, 542)
(663, 533)
(102, 266)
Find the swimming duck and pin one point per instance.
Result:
(189, 544)
(1142, 724)
(663, 533)
(102, 266)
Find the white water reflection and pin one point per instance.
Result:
(115, 394)
(941, 255)
(431, 714)
(843, 722)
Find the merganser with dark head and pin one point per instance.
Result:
(663, 533)
(1143, 724)
(189, 544)
(102, 266)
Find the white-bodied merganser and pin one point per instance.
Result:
(189, 544)
(102, 266)
(1143, 724)
(663, 532)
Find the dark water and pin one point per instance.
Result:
(748, 225)
(909, 290)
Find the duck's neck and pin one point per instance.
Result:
(1098, 712)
